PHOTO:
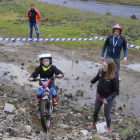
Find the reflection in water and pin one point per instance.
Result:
(76, 78)
(135, 67)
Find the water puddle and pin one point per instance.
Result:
(76, 81)
(14, 72)
(135, 67)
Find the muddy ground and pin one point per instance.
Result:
(18, 59)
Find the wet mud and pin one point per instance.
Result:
(79, 66)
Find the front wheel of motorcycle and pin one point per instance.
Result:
(45, 116)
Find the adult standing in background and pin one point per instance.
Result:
(114, 45)
(33, 15)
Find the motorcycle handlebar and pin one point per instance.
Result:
(45, 79)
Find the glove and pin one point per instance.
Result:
(60, 75)
(30, 79)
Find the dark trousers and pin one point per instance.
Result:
(107, 109)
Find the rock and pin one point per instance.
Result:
(26, 128)
(22, 110)
(71, 112)
(77, 61)
(68, 95)
(22, 67)
(1, 135)
(121, 107)
(22, 63)
(9, 129)
(10, 117)
(77, 78)
(84, 132)
(89, 117)
(116, 135)
(16, 22)
(64, 126)
(16, 112)
(29, 137)
(80, 92)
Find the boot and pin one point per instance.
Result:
(92, 125)
(108, 130)
(38, 103)
(55, 103)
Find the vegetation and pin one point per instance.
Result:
(63, 23)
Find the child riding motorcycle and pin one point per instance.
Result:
(46, 70)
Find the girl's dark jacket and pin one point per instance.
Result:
(106, 88)
(46, 74)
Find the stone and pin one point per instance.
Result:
(64, 126)
(84, 132)
(9, 129)
(116, 135)
(89, 117)
(80, 92)
(26, 128)
(90, 138)
(22, 110)
(10, 117)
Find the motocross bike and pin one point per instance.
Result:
(46, 106)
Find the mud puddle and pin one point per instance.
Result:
(135, 67)
(74, 85)
(15, 73)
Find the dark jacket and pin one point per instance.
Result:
(117, 49)
(106, 88)
(33, 15)
(46, 74)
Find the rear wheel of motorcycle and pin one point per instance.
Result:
(45, 118)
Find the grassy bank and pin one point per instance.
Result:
(61, 22)
(124, 2)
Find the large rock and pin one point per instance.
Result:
(22, 110)
(84, 132)
(10, 117)
(80, 92)
(64, 126)
(26, 128)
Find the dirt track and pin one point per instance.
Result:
(86, 63)
(25, 55)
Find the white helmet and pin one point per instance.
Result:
(45, 55)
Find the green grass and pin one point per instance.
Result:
(96, 138)
(125, 129)
(124, 2)
(62, 22)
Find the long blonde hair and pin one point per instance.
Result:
(110, 73)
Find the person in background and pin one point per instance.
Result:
(33, 15)
(114, 45)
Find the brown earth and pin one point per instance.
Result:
(25, 55)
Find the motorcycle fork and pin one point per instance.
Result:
(50, 104)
